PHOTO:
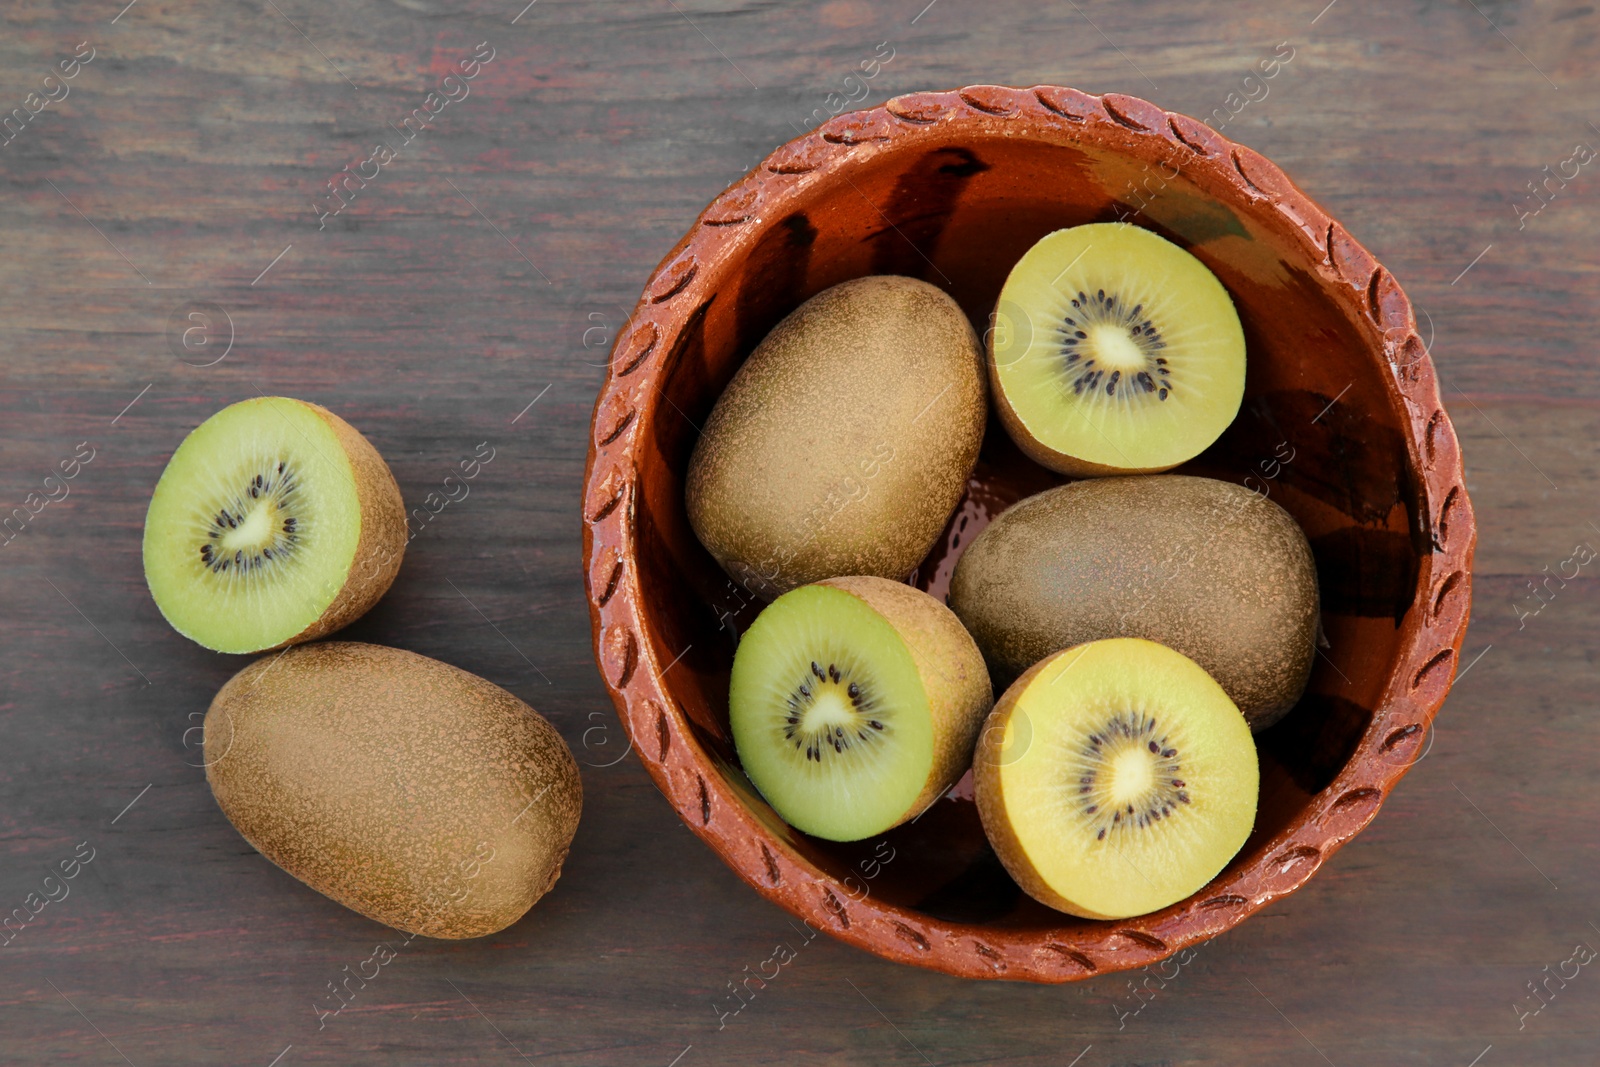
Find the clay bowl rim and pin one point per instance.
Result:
(1429, 642)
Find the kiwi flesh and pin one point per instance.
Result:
(275, 522)
(1122, 353)
(845, 439)
(1207, 567)
(1115, 778)
(855, 702)
(419, 795)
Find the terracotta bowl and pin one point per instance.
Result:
(1341, 425)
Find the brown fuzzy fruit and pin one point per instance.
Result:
(844, 441)
(1209, 568)
(408, 790)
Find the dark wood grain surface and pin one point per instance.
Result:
(467, 295)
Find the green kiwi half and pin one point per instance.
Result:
(275, 522)
(855, 703)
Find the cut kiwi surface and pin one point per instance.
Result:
(275, 522)
(1115, 778)
(855, 703)
(1122, 353)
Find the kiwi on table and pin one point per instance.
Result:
(419, 795)
(844, 441)
(1118, 352)
(275, 522)
(855, 703)
(1207, 567)
(1115, 778)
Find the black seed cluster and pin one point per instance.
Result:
(816, 741)
(280, 483)
(1125, 730)
(1099, 309)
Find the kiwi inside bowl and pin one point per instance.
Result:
(1340, 424)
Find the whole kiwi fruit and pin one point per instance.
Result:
(419, 795)
(844, 442)
(1209, 568)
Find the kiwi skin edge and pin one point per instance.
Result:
(383, 534)
(986, 793)
(1042, 454)
(953, 674)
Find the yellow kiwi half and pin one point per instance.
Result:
(1115, 778)
(1115, 352)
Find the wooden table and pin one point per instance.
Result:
(467, 294)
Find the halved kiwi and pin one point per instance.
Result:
(1115, 778)
(275, 522)
(855, 703)
(1122, 353)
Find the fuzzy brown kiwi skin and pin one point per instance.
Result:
(383, 534)
(951, 668)
(1206, 567)
(844, 441)
(987, 759)
(410, 791)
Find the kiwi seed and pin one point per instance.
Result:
(1127, 736)
(1099, 313)
(277, 534)
(805, 696)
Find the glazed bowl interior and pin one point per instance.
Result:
(1323, 431)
